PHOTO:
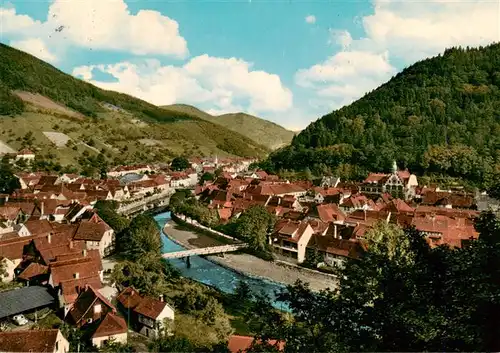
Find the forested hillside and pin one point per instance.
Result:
(38, 99)
(441, 116)
(262, 131)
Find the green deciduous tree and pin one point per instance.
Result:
(180, 163)
(253, 226)
(8, 181)
(401, 295)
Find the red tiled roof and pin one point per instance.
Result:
(34, 269)
(330, 212)
(397, 205)
(129, 298)
(39, 227)
(29, 341)
(144, 305)
(238, 343)
(85, 300)
(224, 213)
(25, 151)
(92, 229)
(71, 288)
(150, 307)
(13, 248)
(65, 270)
(9, 213)
(111, 325)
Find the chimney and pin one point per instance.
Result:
(71, 244)
(335, 231)
(84, 252)
(364, 213)
(161, 298)
(49, 238)
(77, 275)
(42, 209)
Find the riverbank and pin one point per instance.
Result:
(248, 264)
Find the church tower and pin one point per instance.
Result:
(394, 167)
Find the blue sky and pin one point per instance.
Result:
(287, 61)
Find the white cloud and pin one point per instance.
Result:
(401, 32)
(223, 85)
(311, 19)
(35, 47)
(98, 24)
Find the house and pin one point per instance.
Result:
(335, 250)
(122, 170)
(34, 273)
(26, 155)
(9, 216)
(11, 254)
(400, 184)
(68, 274)
(89, 306)
(112, 327)
(357, 202)
(329, 182)
(330, 212)
(290, 238)
(240, 344)
(149, 315)
(96, 234)
(49, 340)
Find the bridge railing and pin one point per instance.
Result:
(204, 251)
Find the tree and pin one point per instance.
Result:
(253, 226)
(243, 293)
(112, 346)
(180, 163)
(8, 181)
(141, 237)
(494, 190)
(206, 177)
(150, 274)
(106, 209)
(401, 295)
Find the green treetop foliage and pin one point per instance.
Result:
(106, 209)
(141, 237)
(253, 226)
(413, 299)
(150, 274)
(8, 181)
(439, 116)
(180, 163)
(20, 71)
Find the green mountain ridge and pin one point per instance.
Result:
(439, 117)
(36, 97)
(257, 129)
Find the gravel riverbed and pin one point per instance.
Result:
(249, 264)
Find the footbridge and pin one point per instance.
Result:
(212, 250)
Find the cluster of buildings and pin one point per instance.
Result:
(332, 219)
(54, 243)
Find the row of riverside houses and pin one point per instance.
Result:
(333, 218)
(53, 241)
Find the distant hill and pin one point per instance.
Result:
(262, 131)
(36, 97)
(439, 117)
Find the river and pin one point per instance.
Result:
(209, 273)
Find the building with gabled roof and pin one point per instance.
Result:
(148, 314)
(89, 306)
(290, 238)
(40, 341)
(96, 234)
(112, 327)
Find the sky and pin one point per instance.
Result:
(286, 61)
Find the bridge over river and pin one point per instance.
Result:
(212, 250)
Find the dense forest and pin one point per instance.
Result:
(21, 71)
(441, 116)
